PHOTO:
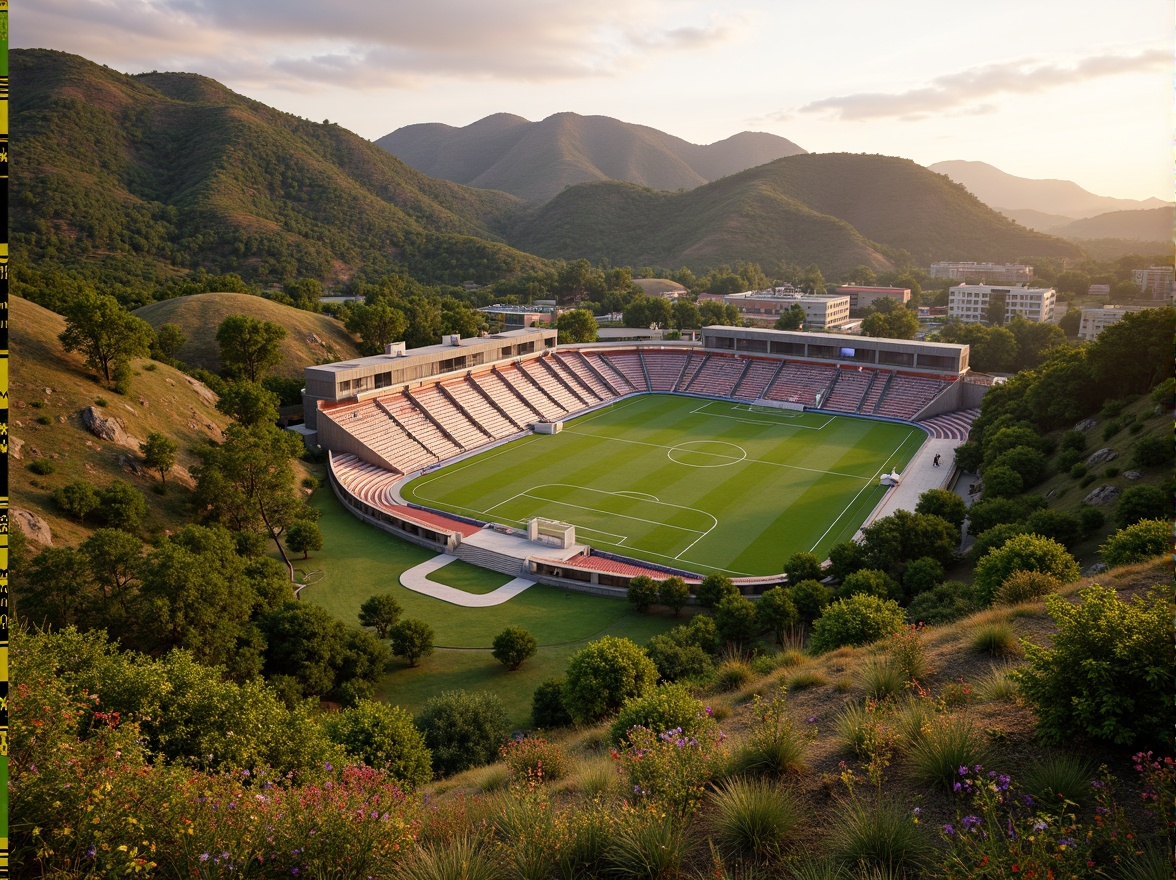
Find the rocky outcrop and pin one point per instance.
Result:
(34, 528)
(108, 428)
(1102, 495)
(14, 445)
(1132, 475)
(206, 394)
(1103, 455)
(1085, 425)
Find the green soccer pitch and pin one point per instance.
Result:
(699, 484)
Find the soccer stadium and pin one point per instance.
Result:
(583, 466)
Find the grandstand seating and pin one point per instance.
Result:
(550, 387)
(568, 380)
(480, 409)
(800, 383)
(495, 386)
(452, 419)
(877, 389)
(717, 377)
(907, 395)
(628, 365)
(756, 380)
(694, 363)
(664, 368)
(575, 364)
(536, 399)
(402, 408)
(849, 390)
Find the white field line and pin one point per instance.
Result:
(450, 471)
(794, 467)
(653, 522)
(851, 504)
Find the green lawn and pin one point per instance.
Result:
(706, 485)
(468, 578)
(358, 561)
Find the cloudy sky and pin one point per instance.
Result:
(1073, 89)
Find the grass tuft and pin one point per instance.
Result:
(1061, 776)
(648, 846)
(804, 680)
(461, 859)
(950, 743)
(882, 678)
(880, 836)
(998, 685)
(753, 817)
(997, 640)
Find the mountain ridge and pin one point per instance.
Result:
(537, 160)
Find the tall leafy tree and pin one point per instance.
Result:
(105, 333)
(376, 325)
(576, 325)
(249, 347)
(249, 403)
(791, 318)
(159, 453)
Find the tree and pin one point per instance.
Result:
(411, 639)
(56, 593)
(514, 645)
(858, 620)
(810, 598)
(247, 483)
(1142, 502)
(76, 499)
(714, 588)
(577, 325)
(803, 566)
(604, 674)
(305, 643)
(169, 339)
(686, 315)
(871, 582)
(944, 504)
(248, 403)
(642, 592)
(1002, 482)
(159, 453)
(302, 536)
(381, 612)
(791, 318)
(1135, 353)
(1034, 339)
(921, 575)
(1023, 553)
(735, 620)
(382, 736)
(893, 541)
(1026, 461)
(114, 565)
(776, 612)
(547, 706)
(249, 347)
(376, 325)
(900, 323)
(1139, 542)
(463, 729)
(122, 506)
(105, 333)
(674, 594)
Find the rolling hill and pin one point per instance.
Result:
(48, 391)
(310, 339)
(836, 210)
(1150, 225)
(1002, 191)
(141, 177)
(537, 160)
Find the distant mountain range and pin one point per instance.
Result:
(537, 160)
(1062, 207)
(131, 177)
(837, 210)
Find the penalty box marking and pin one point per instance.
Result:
(778, 420)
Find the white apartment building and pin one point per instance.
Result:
(1156, 280)
(765, 307)
(1095, 321)
(970, 302)
(998, 273)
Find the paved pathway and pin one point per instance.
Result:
(919, 476)
(414, 579)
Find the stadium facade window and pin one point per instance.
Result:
(898, 358)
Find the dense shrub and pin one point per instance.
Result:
(776, 612)
(942, 604)
(1002, 482)
(1074, 440)
(871, 582)
(463, 729)
(1092, 519)
(77, 499)
(1067, 458)
(675, 658)
(857, 620)
(1028, 462)
(1078, 471)
(736, 620)
(943, 503)
(714, 588)
(1021, 586)
(547, 705)
(1140, 541)
(996, 537)
(1023, 553)
(534, 756)
(514, 645)
(1141, 502)
(42, 467)
(662, 709)
(382, 736)
(1109, 673)
(1065, 528)
(921, 575)
(803, 567)
(810, 598)
(603, 675)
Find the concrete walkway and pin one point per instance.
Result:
(919, 476)
(414, 579)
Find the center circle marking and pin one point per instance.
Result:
(727, 458)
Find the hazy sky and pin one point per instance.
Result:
(1074, 89)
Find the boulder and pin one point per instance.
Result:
(1102, 495)
(1132, 475)
(206, 394)
(14, 445)
(1097, 568)
(110, 429)
(34, 528)
(1103, 455)
(1085, 425)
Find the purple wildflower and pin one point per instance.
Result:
(948, 830)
